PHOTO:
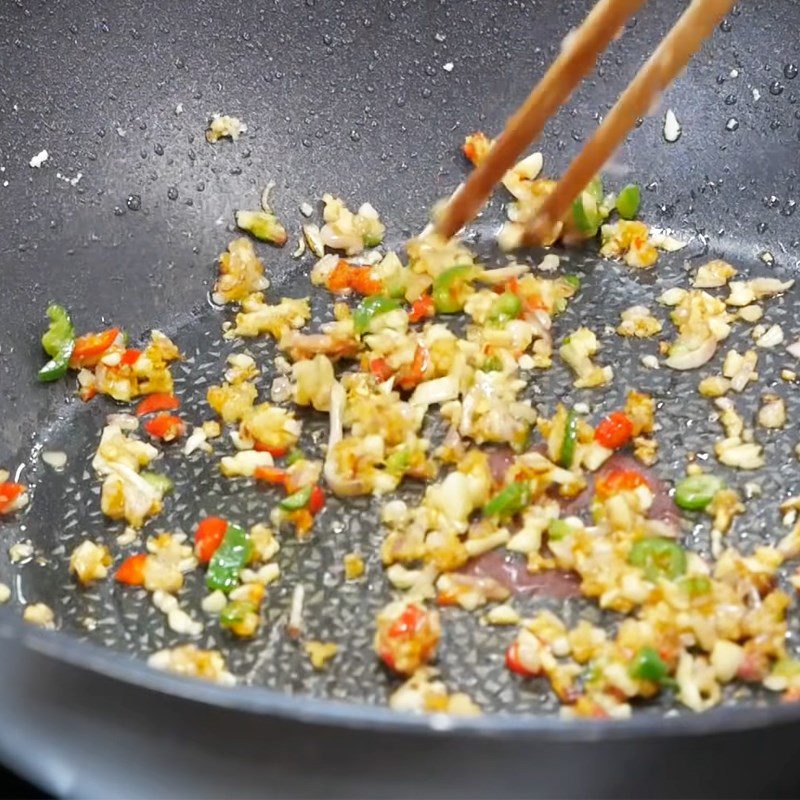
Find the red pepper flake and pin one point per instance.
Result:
(9, 493)
(514, 662)
(159, 401)
(411, 376)
(89, 347)
(273, 475)
(422, 308)
(166, 427)
(275, 452)
(614, 431)
(380, 369)
(346, 277)
(131, 570)
(618, 480)
(317, 500)
(408, 622)
(130, 357)
(208, 537)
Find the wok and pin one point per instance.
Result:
(123, 223)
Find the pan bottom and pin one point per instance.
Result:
(66, 510)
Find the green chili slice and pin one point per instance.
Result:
(507, 306)
(370, 308)
(659, 558)
(509, 501)
(648, 665)
(398, 462)
(585, 213)
(235, 612)
(57, 366)
(158, 481)
(230, 557)
(295, 455)
(558, 529)
(263, 225)
(628, 201)
(58, 342)
(59, 332)
(695, 492)
(696, 585)
(448, 288)
(567, 452)
(296, 501)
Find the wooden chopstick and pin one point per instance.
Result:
(663, 66)
(578, 55)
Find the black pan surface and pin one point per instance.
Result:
(123, 222)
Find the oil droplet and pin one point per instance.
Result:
(172, 193)
(134, 202)
(776, 88)
(730, 100)
(790, 71)
(761, 227)
(732, 124)
(355, 136)
(726, 26)
(158, 149)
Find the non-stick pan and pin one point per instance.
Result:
(123, 222)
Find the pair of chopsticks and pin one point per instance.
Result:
(578, 55)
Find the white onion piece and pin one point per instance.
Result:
(57, 459)
(265, 197)
(502, 275)
(439, 390)
(294, 626)
(340, 485)
(125, 422)
(691, 359)
(793, 349)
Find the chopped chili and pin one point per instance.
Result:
(619, 480)
(208, 536)
(566, 453)
(91, 346)
(230, 557)
(422, 308)
(274, 475)
(514, 662)
(695, 492)
(317, 500)
(649, 666)
(509, 501)
(370, 308)
(131, 570)
(614, 431)
(9, 493)
(159, 401)
(659, 558)
(166, 427)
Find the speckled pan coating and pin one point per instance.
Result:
(66, 507)
(337, 97)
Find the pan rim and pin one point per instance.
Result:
(304, 709)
